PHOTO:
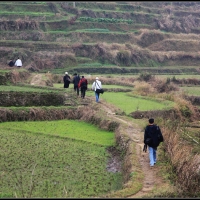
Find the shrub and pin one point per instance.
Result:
(185, 108)
(145, 77)
(143, 88)
(123, 57)
(185, 166)
(165, 86)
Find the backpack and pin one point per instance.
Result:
(84, 84)
(160, 136)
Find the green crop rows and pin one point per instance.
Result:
(55, 159)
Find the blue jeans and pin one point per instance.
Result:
(152, 156)
(97, 97)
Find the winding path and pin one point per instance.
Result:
(151, 178)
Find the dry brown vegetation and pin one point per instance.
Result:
(163, 42)
(184, 162)
(19, 24)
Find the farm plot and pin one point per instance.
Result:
(5, 88)
(130, 104)
(192, 90)
(71, 86)
(55, 159)
(126, 102)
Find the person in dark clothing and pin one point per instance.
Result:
(83, 85)
(152, 137)
(76, 80)
(11, 63)
(66, 80)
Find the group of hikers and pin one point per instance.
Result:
(82, 84)
(152, 134)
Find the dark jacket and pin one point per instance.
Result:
(66, 80)
(153, 132)
(76, 80)
(11, 63)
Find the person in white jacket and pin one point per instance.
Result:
(18, 63)
(96, 85)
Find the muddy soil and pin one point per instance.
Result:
(114, 162)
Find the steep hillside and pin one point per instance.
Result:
(101, 37)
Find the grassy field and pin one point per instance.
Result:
(61, 85)
(71, 86)
(27, 89)
(130, 104)
(126, 102)
(67, 129)
(162, 76)
(55, 159)
(192, 90)
(179, 76)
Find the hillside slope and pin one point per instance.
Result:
(86, 36)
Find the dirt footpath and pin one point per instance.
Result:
(151, 178)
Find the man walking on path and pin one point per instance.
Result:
(152, 138)
(83, 85)
(76, 80)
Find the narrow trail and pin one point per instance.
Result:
(151, 178)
